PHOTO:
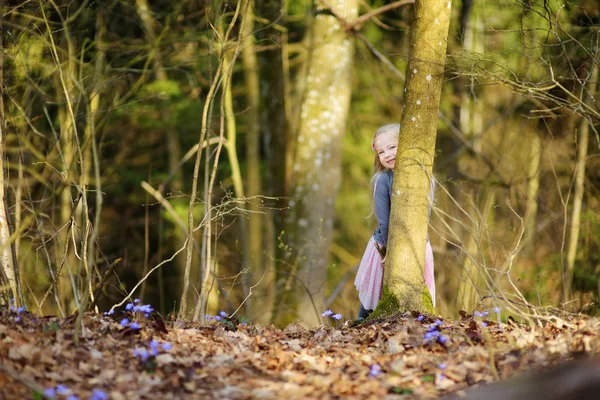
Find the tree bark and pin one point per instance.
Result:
(317, 163)
(404, 286)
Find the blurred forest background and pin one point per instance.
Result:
(105, 105)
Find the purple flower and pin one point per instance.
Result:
(124, 322)
(477, 314)
(497, 310)
(420, 318)
(438, 322)
(141, 353)
(72, 397)
(337, 316)
(129, 306)
(146, 308)
(484, 324)
(134, 325)
(223, 314)
(17, 319)
(443, 339)
(327, 313)
(109, 312)
(62, 390)
(207, 317)
(442, 366)
(98, 394)
(485, 313)
(154, 344)
(50, 393)
(217, 318)
(136, 301)
(375, 370)
(167, 346)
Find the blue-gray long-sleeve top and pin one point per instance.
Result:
(382, 199)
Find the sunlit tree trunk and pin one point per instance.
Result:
(317, 162)
(579, 191)
(404, 286)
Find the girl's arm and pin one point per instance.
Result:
(382, 205)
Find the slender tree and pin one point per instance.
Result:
(404, 287)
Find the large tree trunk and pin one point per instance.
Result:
(317, 163)
(404, 286)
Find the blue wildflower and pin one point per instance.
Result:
(442, 339)
(62, 390)
(337, 316)
(484, 324)
(136, 301)
(442, 366)
(485, 313)
(420, 318)
(134, 325)
(327, 313)
(154, 344)
(72, 397)
(438, 322)
(223, 314)
(217, 318)
(477, 314)
(146, 308)
(98, 394)
(375, 370)
(207, 317)
(141, 353)
(497, 310)
(167, 346)
(50, 393)
(129, 307)
(124, 322)
(17, 319)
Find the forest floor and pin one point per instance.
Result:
(405, 356)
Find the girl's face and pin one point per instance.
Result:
(386, 145)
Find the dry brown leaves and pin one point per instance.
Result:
(383, 358)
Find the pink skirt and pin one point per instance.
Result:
(369, 278)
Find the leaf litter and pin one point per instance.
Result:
(404, 356)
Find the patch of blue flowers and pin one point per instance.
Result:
(331, 314)
(154, 348)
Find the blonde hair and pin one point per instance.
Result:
(391, 128)
(378, 167)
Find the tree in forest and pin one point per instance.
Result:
(317, 160)
(404, 287)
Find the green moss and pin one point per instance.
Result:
(388, 305)
(427, 301)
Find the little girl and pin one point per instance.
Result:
(369, 278)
